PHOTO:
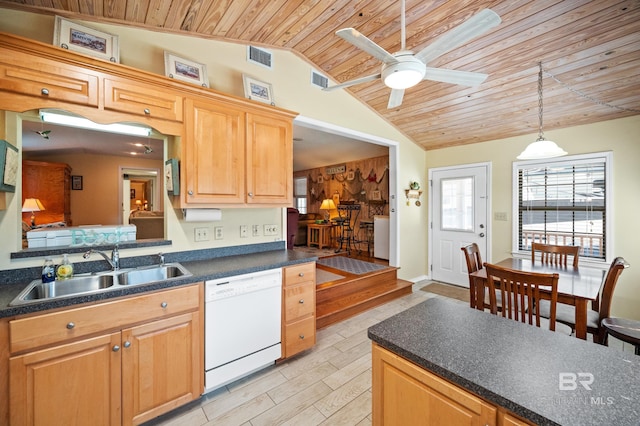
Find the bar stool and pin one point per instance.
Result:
(624, 329)
(347, 218)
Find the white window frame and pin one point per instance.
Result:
(297, 196)
(608, 230)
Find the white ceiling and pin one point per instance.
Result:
(311, 148)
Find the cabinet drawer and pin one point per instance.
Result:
(29, 75)
(299, 301)
(41, 330)
(143, 100)
(299, 336)
(298, 274)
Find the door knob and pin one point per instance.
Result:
(481, 234)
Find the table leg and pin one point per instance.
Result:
(581, 318)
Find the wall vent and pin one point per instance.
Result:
(259, 56)
(319, 80)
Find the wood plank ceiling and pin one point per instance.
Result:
(591, 46)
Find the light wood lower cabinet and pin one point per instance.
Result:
(123, 376)
(406, 394)
(299, 312)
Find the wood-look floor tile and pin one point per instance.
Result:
(292, 406)
(307, 417)
(355, 412)
(340, 397)
(352, 341)
(299, 365)
(195, 417)
(244, 412)
(347, 357)
(301, 382)
(348, 372)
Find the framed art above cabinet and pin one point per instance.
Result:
(8, 166)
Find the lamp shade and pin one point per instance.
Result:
(541, 149)
(327, 204)
(32, 205)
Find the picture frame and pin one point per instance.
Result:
(9, 161)
(376, 195)
(320, 179)
(132, 194)
(186, 70)
(76, 182)
(257, 90)
(172, 177)
(351, 175)
(79, 38)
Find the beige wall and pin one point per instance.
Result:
(226, 62)
(620, 137)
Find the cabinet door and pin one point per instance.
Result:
(162, 367)
(405, 394)
(214, 153)
(45, 80)
(72, 384)
(269, 160)
(142, 99)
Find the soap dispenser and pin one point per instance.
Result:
(48, 271)
(65, 270)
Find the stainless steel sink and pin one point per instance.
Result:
(152, 274)
(98, 282)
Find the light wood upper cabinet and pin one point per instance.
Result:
(236, 155)
(46, 81)
(214, 153)
(141, 99)
(269, 159)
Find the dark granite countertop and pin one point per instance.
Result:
(515, 365)
(203, 265)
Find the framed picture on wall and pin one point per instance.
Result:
(8, 166)
(320, 179)
(185, 70)
(76, 183)
(78, 38)
(257, 90)
(132, 194)
(375, 195)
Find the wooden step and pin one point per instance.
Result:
(338, 300)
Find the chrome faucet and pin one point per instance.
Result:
(161, 257)
(114, 261)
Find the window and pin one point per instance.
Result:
(300, 194)
(564, 202)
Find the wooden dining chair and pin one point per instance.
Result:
(554, 254)
(600, 308)
(474, 263)
(521, 293)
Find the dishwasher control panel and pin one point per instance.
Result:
(241, 284)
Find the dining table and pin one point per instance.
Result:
(577, 286)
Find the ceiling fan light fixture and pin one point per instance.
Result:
(405, 73)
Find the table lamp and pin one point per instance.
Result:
(327, 204)
(32, 205)
(138, 204)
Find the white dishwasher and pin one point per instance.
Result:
(242, 326)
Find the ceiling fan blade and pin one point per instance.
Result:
(395, 98)
(472, 27)
(358, 40)
(465, 78)
(353, 82)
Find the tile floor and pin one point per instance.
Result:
(327, 385)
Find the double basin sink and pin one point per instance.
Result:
(97, 282)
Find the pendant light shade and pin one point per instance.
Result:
(541, 148)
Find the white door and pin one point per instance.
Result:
(459, 211)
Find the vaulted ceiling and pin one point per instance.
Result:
(590, 51)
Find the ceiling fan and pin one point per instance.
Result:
(405, 69)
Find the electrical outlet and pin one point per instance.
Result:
(201, 234)
(255, 230)
(244, 231)
(218, 234)
(271, 230)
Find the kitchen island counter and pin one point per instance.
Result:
(517, 366)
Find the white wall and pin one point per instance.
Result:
(226, 62)
(620, 137)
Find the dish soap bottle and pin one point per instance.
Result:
(48, 271)
(65, 270)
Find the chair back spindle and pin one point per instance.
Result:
(554, 254)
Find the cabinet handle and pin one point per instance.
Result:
(301, 301)
(44, 91)
(147, 111)
(70, 325)
(163, 305)
(116, 348)
(190, 192)
(126, 344)
(302, 337)
(251, 194)
(301, 274)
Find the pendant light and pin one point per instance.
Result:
(541, 148)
